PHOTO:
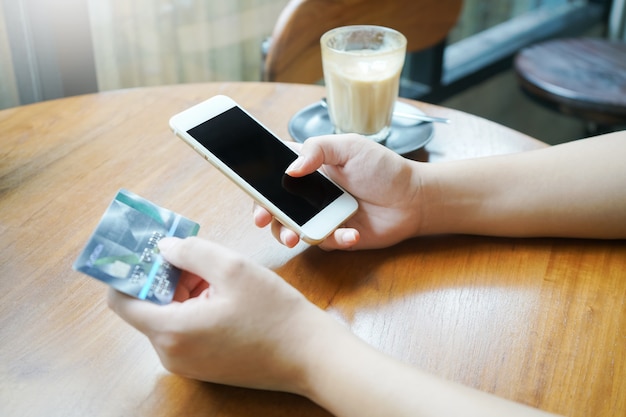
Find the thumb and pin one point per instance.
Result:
(342, 238)
(316, 151)
(198, 256)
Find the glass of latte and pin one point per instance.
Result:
(362, 66)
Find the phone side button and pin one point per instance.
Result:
(199, 152)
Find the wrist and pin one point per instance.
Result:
(329, 346)
(452, 198)
(431, 201)
(313, 332)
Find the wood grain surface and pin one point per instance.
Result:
(540, 321)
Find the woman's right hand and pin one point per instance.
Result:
(385, 184)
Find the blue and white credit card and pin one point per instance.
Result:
(123, 252)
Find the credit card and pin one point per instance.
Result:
(123, 253)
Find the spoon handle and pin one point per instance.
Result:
(414, 116)
(422, 117)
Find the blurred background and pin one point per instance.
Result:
(51, 49)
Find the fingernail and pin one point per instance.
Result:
(284, 234)
(349, 237)
(295, 165)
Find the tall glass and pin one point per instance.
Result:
(362, 66)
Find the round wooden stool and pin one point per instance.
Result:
(580, 77)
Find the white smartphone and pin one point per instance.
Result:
(255, 159)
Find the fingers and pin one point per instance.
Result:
(199, 259)
(284, 235)
(189, 286)
(328, 150)
(140, 314)
(197, 256)
(261, 216)
(342, 239)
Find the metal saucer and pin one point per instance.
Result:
(406, 135)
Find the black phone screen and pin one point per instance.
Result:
(261, 159)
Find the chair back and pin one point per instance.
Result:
(294, 53)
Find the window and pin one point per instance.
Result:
(50, 49)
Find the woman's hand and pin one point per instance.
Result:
(385, 184)
(232, 321)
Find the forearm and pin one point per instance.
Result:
(349, 378)
(576, 189)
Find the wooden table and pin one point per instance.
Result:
(540, 321)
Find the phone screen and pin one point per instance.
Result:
(258, 157)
